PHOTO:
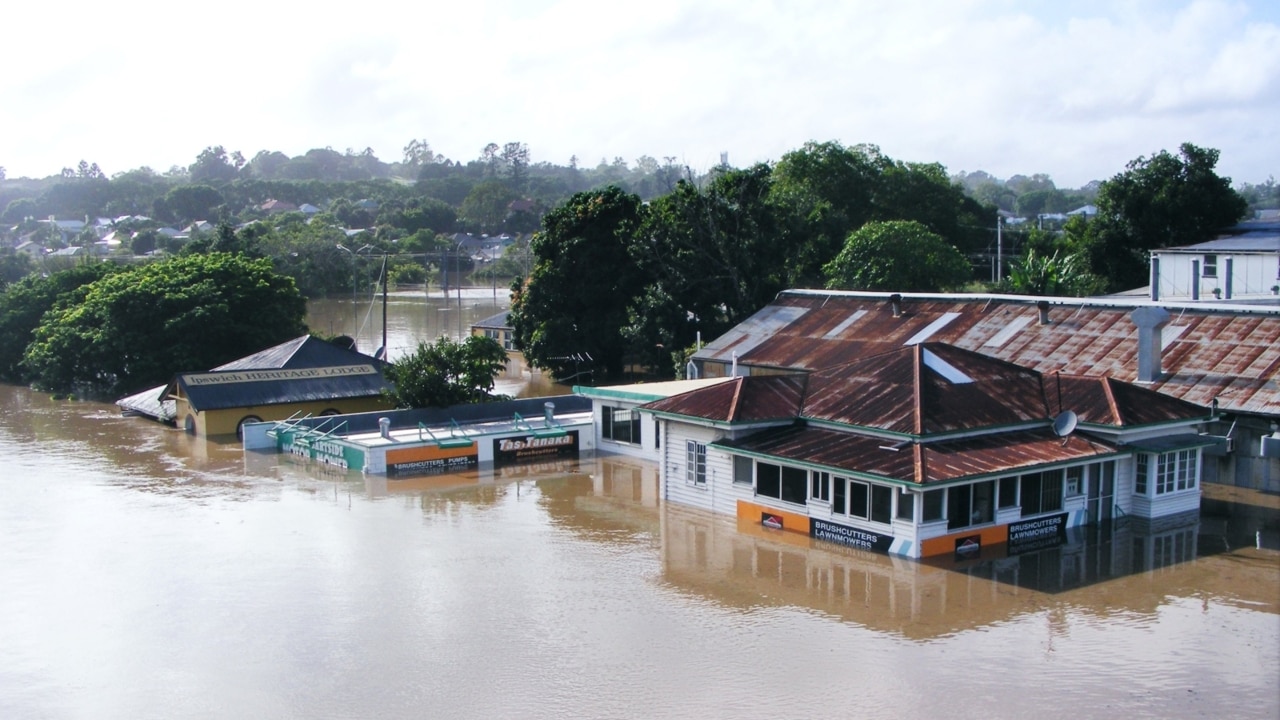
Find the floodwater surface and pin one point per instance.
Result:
(148, 574)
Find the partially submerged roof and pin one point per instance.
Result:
(150, 403)
(1227, 352)
(305, 369)
(494, 322)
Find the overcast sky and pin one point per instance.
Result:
(1071, 89)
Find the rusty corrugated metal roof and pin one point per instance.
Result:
(921, 463)
(1228, 352)
(740, 399)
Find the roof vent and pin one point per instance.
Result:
(895, 301)
(1043, 306)
(1150, 321)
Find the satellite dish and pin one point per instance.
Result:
(1065, 423)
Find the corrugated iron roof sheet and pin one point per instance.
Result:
(928, 389)
(1221, 351)
(917, 463)
(740, 399)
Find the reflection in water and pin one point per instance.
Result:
(147, 573)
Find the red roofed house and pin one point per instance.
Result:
(919, 450)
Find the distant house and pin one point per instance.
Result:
(305, 376)
(274, 207)
(1242, 265)
(30, 248)
(496, 328)
(308, 209)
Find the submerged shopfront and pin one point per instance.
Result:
(930, 450)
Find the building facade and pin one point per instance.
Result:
(928, 450)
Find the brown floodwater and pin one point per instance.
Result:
(146, 573)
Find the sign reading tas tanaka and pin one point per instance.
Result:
(527, 448)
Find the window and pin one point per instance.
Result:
(820, 486)
(1074, 477)
(1041, 492)
(881, 504)
(695, 470)
(839, 498)
(768, 480)
(620, 425)
(971, 504)
(906, 505)
(859, 495)
(1174, 471)
(1164, 473)
(1008, 492)
(1211, 266)
(933, 504)
(795, 485)
(742, 467)
(784, 483)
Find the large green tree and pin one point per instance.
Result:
(446, 373)
(25, 302)
(139, 327)
(897, 256)
(711, 257)
(1161, 201)
(574, 306)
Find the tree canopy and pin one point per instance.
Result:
(446, 373)
(137, 327)
(576, 300)
(1160, 201)
(897, 256)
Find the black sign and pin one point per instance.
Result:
(850, 537)
(1038, 534)
(530, 448)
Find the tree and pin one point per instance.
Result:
(24, 302)
(711, 258)
(187, 203)
(1056, 274)
(1161, 201)
(446, 373)
(486, 206)
(575, 303)
(139, 326)
(213, 165)
(897, 255)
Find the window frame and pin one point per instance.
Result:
(695, 471)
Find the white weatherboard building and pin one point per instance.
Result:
(1243, 267)
(921, 451)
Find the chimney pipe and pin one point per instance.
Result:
(1043, 306)
(549, 412)
(895, 301)
(384, 427)
(1150, 322)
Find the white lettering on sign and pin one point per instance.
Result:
(243, 376)
(529, 443)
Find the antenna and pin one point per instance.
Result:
(1065, 423)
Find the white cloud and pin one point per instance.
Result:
(1073, 90)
